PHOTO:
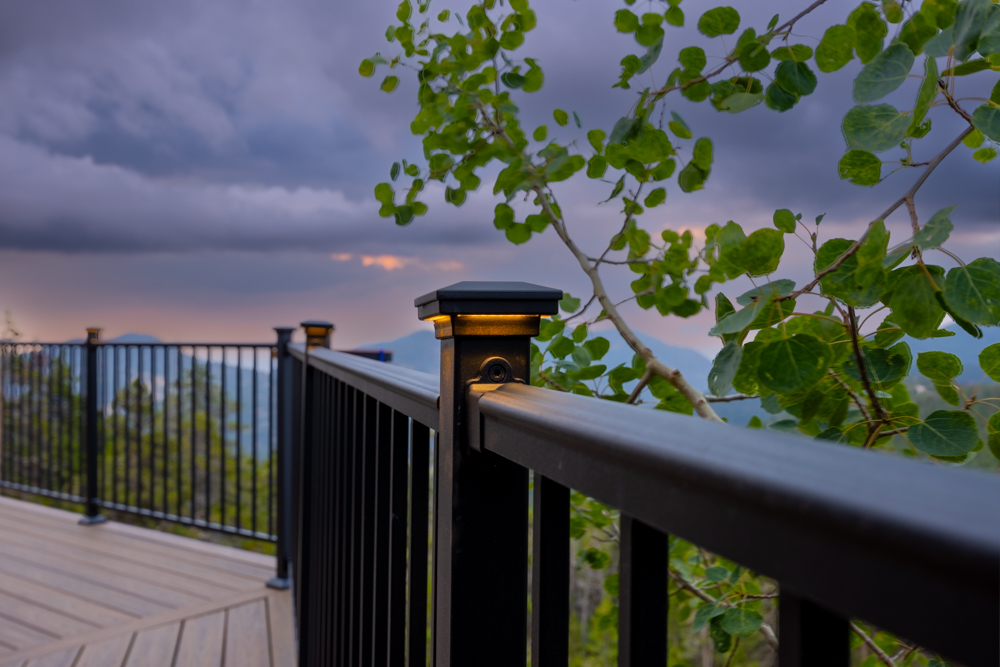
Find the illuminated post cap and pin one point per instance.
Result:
(318, 334)
(93, 334)
(488, 308)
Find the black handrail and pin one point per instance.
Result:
(847, 533)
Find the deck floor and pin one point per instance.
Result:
(114, 595)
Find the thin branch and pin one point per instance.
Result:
(582, 310)
(729, 399)
(681, 582)
(859, 358)
(912, 208)
(643, 381)
(857, 399)
(736, 645)
(885, 214)
(870, 643)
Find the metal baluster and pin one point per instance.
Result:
(550, 574)
(284, 369)
(208, 434)
(370, 450)
(114, 428)
(419, 506)
(165, 447)
(178, 408)
(91, 513)
(382, 512)
(642, 601)
(811, 636)
(238, 457)
(223, 370)
(138, 426)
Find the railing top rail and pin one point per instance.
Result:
(872, 535)
(408, 391)
(113, 343)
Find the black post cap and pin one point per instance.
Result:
(489, 298)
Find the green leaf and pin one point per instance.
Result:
(679, 129)
(974, 140)
(986, 118)
(741, 621)
(915, 308)
(727, 362)
(568, 304)
(739, 102)
(893, 12)
(706, 613)
(918, 31)
(655, 198)
(969, 19)
(856, 283)
(836, 49)
(394, 171)
(925, 96)
(885, 367)
(989, 38)
(691, 178)
(596, 166)
(939, 367)
(971, 67)
(754, 57)
(716, 574)
(795, 77)
(869, 30)
(940, 45)
(936, 231)
(597, 347)
(625, 129)
(533, 78)
(596, 139)
(784, 220)
(626, 21)
(675, 16)
(389, 83)
(989, 361)
(793, 364)
(693, 58)
(512, 79)
(973, 291)
(797, 52)
(367, 68)
(722, 641)
(861, 167)
(762, 251)
(518, 233)
(719, 21)
(945, 433)
(560, 116)
(884, 74)
(874, 128)
(984, 155)
(596, 559)
(779, 99)
(540, 133)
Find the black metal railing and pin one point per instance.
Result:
(182, 432)
(847, 534)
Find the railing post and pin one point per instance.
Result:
(280, 580)
(481, 499)
(91, 513)
(310, 633)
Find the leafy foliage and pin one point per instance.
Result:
(825, 356)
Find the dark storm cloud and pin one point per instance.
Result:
(236, 125)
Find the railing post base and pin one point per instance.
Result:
(92, 520)
(279, 583)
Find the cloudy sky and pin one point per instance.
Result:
(204, 170)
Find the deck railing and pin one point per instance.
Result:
(848, 534)
(399, 501)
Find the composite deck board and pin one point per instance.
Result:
(130, 542)
(119, 596)
(201, 641)
(93, 540)
(124, 603)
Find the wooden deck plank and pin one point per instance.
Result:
(97, 593)
(70, 605)
(168, 539)
(58, 659)
(131, 541)
(202, 640)
(165, 618)
(144, 582)
(109, 652)
(281, 621)
(154, 647)
(16, 636)
(93, 539)
(247, 643)
(40, 618)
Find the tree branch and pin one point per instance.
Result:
(870, 643)
(729, 399)
(643, 381)
(859, 358)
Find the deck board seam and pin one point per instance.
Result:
(46, 607)
(78, 596)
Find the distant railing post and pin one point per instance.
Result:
(91, 513)
(481, 501)
(280, 580)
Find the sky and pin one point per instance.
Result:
(203, 171)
